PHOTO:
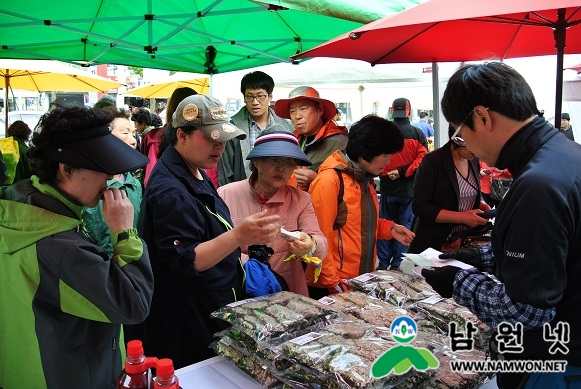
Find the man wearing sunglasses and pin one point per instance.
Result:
(535, 253)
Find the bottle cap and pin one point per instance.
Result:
(134, 348)
(164, 368)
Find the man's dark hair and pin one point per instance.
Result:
(52, 124)
(142, 115)
(257, 80)
(19, 130)
(372, 136)
(494, 85)
(423, 114)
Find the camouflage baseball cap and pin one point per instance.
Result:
(208, 115)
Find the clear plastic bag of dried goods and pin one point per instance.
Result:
(343, 353)
(275, 316)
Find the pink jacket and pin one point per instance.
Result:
(296, 212)
(150, 148)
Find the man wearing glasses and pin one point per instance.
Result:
(535, 250)
(256, 87)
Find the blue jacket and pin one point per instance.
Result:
(425, 127)
(175, 217)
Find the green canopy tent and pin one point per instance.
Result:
(203, 36)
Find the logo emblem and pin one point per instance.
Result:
(401, 358)
(403, 329)
(190, 112)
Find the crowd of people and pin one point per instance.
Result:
(121, 225)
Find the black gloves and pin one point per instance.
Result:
(260, 252)
(469, 256)
(441, 279)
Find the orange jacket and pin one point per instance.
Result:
(351, 248)
(330, 137)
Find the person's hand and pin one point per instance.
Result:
(301, 246)
(259, 228)
(393, 174)
(339, 288)
(484, 206)
(402, 234)
(305, 177)
(441, 279)
(469, 256)
(486, 172)
(471, 218)
(117, 210)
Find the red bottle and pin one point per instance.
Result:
(164, 375)
(137, 372)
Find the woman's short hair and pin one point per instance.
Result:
(372, 136)
(52, 125)
(19, 130)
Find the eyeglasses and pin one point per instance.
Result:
(455, 138)
(259, 98)
(459, 141)
(275, 162)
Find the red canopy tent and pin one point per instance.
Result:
(457, 30)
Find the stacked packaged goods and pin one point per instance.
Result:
(287, 340)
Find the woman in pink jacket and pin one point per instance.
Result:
(275, 156)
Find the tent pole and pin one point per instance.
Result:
(436, 103)
(6, 86)
(560, 31)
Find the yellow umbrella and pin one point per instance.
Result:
(164, 88)
(46, 76)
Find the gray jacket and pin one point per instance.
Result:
(229, 169)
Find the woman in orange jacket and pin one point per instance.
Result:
(347, 207)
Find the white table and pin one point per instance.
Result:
(215, 372)
(220, 373)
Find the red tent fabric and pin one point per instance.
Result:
(460, 30)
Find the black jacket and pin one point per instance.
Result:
(436, 188)
(177, 214)
(537, 233)
(403, 186)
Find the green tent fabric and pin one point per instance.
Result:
(202, 36)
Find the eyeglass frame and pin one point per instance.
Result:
(259, 98)
(455, 138)
(277, 162)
